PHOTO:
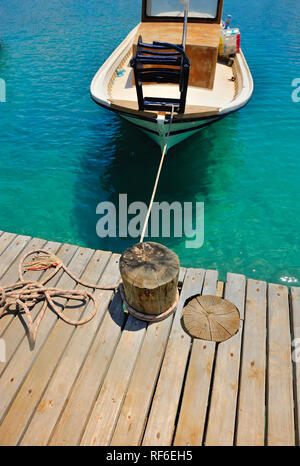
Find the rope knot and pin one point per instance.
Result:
(43, 261)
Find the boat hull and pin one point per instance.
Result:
(178, 131)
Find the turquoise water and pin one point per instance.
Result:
(60, 154)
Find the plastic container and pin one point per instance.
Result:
(230, 41)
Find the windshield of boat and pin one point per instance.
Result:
(174, 8)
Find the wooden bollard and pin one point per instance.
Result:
(150, 273)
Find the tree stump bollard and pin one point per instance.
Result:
(150, 273)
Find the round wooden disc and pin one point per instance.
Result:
(210, 318)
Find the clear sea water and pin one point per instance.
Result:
(60, 154)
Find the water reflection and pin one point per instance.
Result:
(124, 160)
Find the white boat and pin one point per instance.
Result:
(180, 42)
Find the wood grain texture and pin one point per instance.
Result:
(23, 359)
(222, 412)
(101, 424)
(194, 110)
(11, 246)
(251, 409)
(150, 274)
(220, 289)
(71, 425)
(161, 422)
(202, 45)
(295, 315)
(5, 240)
(207, 35)
(120, 381)
(210, 318)
(133, 416)
(194, 405)
(54, 397)
(280, 403)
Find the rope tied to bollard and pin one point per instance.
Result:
(157, 177)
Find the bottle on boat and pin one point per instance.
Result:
(228, 21)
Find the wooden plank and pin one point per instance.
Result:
(11, 245)
(251, 406)
(222, 412)
(201, 34)
(197, 110)
(11, 276)
(20, 412)
(130, 426)
(131, 106)
(132, 419)
(54, 398)
(161, 423)
(220, 289)
(106, 410)
(295, 314)
(23, 358)
(5, 240)
(280, 412)
(192, 416)
(181, 277)
(71, 425)
(15, 329)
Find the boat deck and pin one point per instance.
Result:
(121, 381)
(224, 91)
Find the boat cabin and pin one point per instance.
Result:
(163, 20)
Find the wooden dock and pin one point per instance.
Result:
(121, 381)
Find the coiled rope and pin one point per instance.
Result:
(23, 295)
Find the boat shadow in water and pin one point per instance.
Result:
(126, 161)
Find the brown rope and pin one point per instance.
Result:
(24, 295)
